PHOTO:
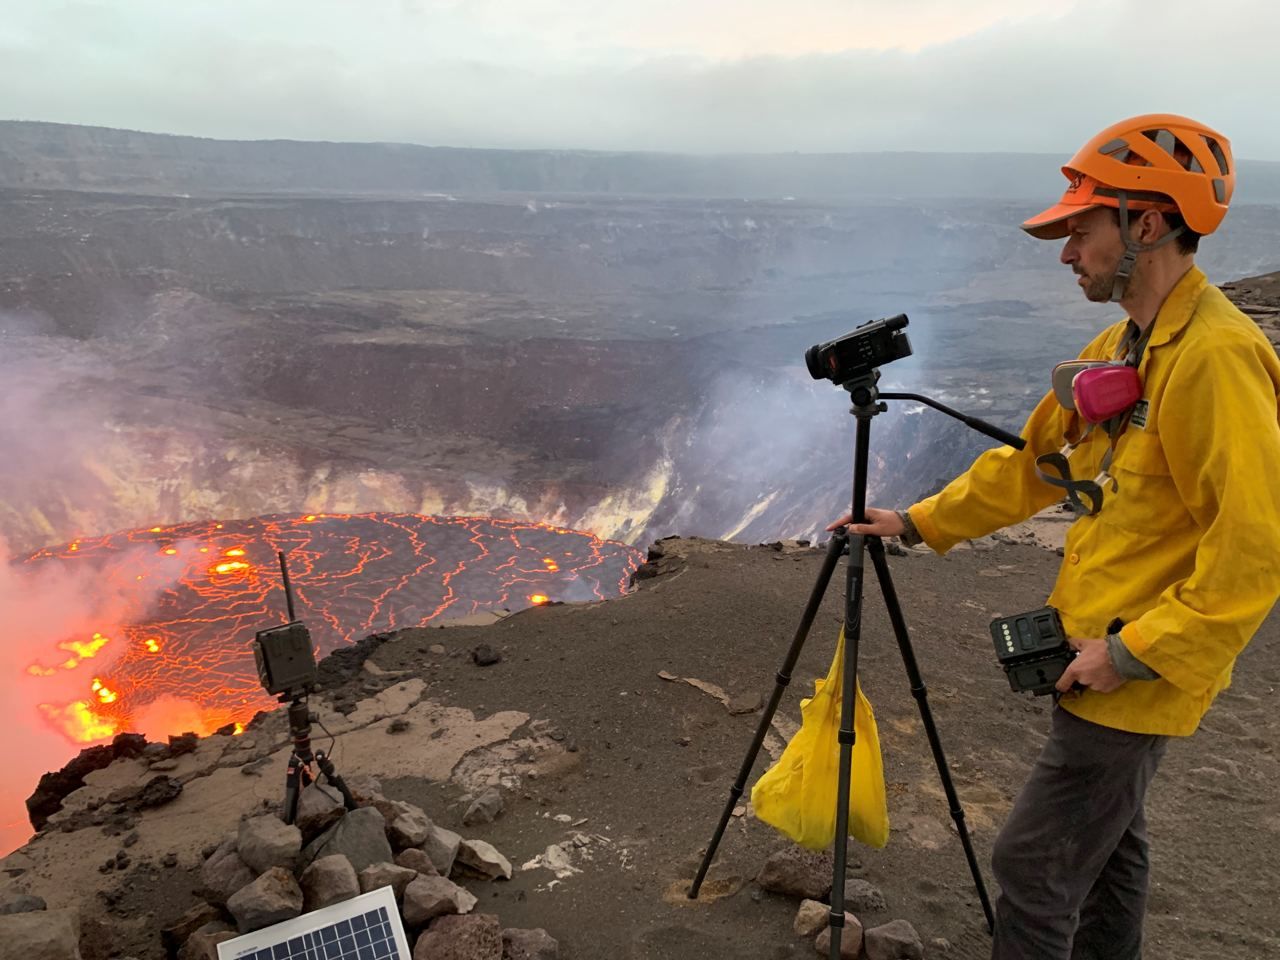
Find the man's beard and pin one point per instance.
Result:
(1098, 287)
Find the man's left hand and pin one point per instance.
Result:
(1091, 668)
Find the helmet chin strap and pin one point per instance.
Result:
(1124, 270)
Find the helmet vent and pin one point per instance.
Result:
(1218, 154)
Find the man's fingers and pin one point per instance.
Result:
(1067, 679)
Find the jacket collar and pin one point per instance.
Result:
(1175, 313)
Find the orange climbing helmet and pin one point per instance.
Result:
(1143, 163)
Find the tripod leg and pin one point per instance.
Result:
(855, 569)
(331, 774)
(921, 694)
(292, 782)
(834, 548)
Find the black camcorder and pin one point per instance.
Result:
(1033, 649)
(286, 663)
(870, 345)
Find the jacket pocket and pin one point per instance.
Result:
(1147, 500)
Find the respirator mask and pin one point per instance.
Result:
(1103, 394)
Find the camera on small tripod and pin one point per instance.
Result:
(1033, 649)
(287, 669)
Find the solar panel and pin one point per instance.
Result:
(366, 927)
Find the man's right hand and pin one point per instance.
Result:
(881, 523)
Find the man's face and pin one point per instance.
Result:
(1093, 251)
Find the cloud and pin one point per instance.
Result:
(703, 75)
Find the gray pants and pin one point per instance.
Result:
(1071, 859)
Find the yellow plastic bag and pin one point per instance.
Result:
(797, 795)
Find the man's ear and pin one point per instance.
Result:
(1149, 228)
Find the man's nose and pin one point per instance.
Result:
(1069, 254)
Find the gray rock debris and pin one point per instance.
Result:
(476, 936)
(429, 897)
(861, 896)
(529, 945)
(485, 808)
(811, 918)
(273, 897)
(480, 859)
(330, 879)
(389, 875)
(408, 826)
(850, 939)
(40, 935)
(896, 940)
(798, 873)
(319, 808)
(267, 841)
(224, 873)
(21, 903)
(417, 861)
(442, 847)
(360, 836)
(203, 944)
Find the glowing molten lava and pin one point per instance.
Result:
(187, 663)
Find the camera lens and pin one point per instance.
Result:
(813, 360)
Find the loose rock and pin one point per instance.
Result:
(429, 897)
(328, 880)
(477, 936)
(43, 935)
(851, 938)
(273, 897)
(896, 940)
(484, 809)
(811, 918)
(529, 945)
(267, 841)
(389, 875)
(482, 860)
(798, 873)
(360, 836)
(442, 847)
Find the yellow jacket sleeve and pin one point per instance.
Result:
(1002, 486)
(1223, 447)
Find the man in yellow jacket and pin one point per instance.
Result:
(1170, 570)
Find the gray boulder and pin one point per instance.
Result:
(850, 939)
(861, 896)
(478, 858)
(318, 810)
(429, 897)
(267, 842)
(408, 826)
(21, 903)
(273, 897)
(417, 861)
(40, 935)
(442, 847)
(203, 944)
(360, 836)
(388, 875)
(223, 874)
(529, 945)
(485, 808)
(796, 872)
(328, 880)
(896, 940)
(476, 936)
(179, 932)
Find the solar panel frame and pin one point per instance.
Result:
(330, 933)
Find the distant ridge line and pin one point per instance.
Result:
(43, 155)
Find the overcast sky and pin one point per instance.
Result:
(685, 75)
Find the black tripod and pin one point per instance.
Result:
(866, 404)
(299, 773)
